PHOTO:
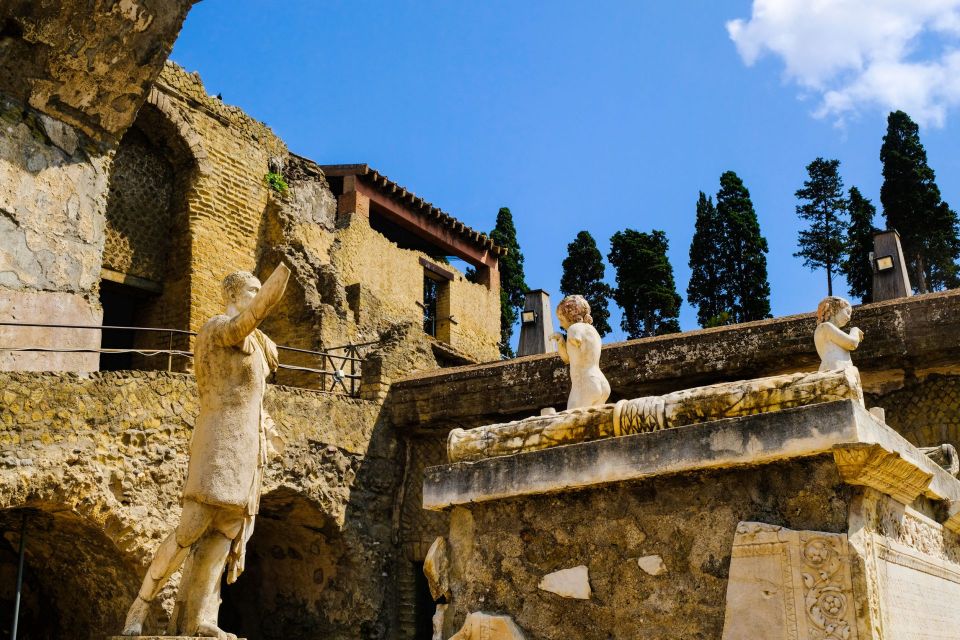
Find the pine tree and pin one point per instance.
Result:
(743, 252)
(512, 281)
(583, 274)
(645, 287)
(824, 207)
(707, 289)
(859, 244)
(912, 205)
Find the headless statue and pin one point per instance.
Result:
(228, 453)
(833, 344)
(581, 350)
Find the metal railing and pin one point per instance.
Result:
(338, 370)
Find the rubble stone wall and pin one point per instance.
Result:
(500, 550)
(98, 462)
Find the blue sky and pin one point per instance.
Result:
(596, 116)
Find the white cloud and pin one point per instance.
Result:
(860, 54)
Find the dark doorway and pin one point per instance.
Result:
(423, 607)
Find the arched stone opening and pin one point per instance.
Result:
(289, 588)
(146, 256)
(76, 584)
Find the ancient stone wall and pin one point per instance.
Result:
(86, 64)
(657, 553)
(98, 462)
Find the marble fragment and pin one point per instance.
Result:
(436, 567)
(568, 583)
(652, 565)
(485, 626)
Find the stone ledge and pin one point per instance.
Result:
(915, 333)
(830, 428)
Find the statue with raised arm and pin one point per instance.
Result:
(833, 344)
(228, 452)
(581, 350)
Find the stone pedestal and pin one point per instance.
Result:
(814, 522)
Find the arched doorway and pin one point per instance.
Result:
(145, 271)
(76, 582)
(293, 561)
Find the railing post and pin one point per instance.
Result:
(16, 600)
(170, 353)
(353, 354)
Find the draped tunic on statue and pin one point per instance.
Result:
(228, 451)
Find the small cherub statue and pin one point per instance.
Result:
(581, 350)
(833, 344)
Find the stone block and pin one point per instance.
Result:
(790, 584)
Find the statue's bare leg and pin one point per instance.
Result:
(202, 605)
(194, 520)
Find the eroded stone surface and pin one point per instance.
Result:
(643, 415)
(790, 584)
(485, 626)
(436, 567)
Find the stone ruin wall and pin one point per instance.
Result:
(682, 526)
(98, 462)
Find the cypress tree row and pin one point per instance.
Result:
(583, 274)
(859, 243)
(743, 252)
(822, 244)
(512, 281)
(912, 205)
(645, 287)
(707, 289)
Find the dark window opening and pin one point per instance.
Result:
(122, 307)
(424, 608)
(431, 295)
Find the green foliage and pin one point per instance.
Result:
(912, 205)
(512, 281)
(645, 287)
(742, 251)
(276, 182)
(583, 274)
(859, 244)
(823, 206)
(708, 289)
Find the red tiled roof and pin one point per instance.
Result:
(414, 203)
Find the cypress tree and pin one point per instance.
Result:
(707, 289)
(645, 287)
(583, 274)
(512, 281)
(743, 252)
(823, 206)
(859, 244)
(912, 205)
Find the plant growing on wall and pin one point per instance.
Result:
(583, 274)
(276, 182)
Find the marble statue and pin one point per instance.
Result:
(581, 350)
(231, 441)
(833, 344)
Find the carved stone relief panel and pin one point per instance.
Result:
(794, 585)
